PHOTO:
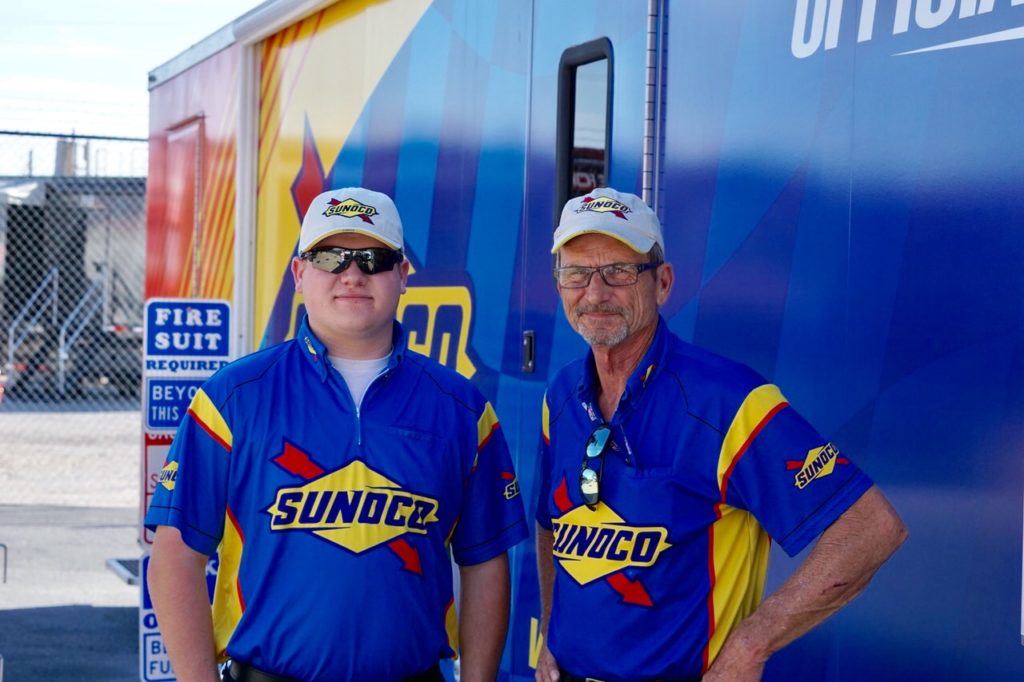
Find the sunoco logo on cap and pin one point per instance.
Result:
(350, 208)
(604, 205)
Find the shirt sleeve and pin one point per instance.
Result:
(492, 518)
(191, 492)
(780, 469)
(543, 514)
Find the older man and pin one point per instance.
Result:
(337, 472)
(665, 471)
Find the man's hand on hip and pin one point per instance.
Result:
(547, 667)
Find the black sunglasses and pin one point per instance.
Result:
(593, 464)
(335, 259)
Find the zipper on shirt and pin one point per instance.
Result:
(366, 396)
(356, 409)
(336, 380)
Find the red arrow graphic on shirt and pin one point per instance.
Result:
(298, 463)
(632, 591)
(561, 496)
(408, 554)
(794, 464)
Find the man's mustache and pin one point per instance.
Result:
(598, 308)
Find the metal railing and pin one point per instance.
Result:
(122, 301)
(77, 320)
(15, 334)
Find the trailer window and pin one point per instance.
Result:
(584, 119)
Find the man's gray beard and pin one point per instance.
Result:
(602, 338)
(606, 339)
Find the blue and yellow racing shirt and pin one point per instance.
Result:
(336, 526)
(707, 462)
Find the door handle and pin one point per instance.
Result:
(529, 348)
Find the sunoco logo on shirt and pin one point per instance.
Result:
(820, 462)
(169, 475)
(604, 205)
(591, 544)
(350, 208)
(354, 507)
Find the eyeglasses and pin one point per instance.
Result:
(593, 464)
(613, 274)
(335, 259)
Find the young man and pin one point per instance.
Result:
(665, 469)
(337, 473)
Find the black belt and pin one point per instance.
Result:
(566, 676)
(241, 672)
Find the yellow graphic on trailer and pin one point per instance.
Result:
(436, 320)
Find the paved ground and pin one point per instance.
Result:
(69, 487)
(63, 614)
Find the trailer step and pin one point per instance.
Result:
(125, 569)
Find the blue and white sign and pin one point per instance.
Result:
(187, 340)
(167, 400)
(186, 336)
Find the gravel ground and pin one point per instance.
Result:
(77, 458)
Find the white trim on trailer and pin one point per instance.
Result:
(204, 49)
(272, 16)
(246, 158)
(254, 25)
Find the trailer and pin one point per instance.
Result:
(841, 190)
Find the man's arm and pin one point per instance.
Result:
(483, 617)
(177, 584)
(837, 570)
(547, 667)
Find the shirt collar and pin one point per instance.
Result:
(645, 371)
(316, 353)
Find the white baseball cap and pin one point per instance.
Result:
(606, 211)
(351, 209)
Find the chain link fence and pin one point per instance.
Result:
(72, 261)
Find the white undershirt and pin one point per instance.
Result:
(358, 374)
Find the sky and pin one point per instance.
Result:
(82, 66)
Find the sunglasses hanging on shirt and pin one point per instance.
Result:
(335, 259)
(593, 464)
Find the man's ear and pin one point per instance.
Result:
(298, 269)
(403, 273)
(665, 277)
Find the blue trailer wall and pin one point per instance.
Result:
(844, 214)
(849, 224)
